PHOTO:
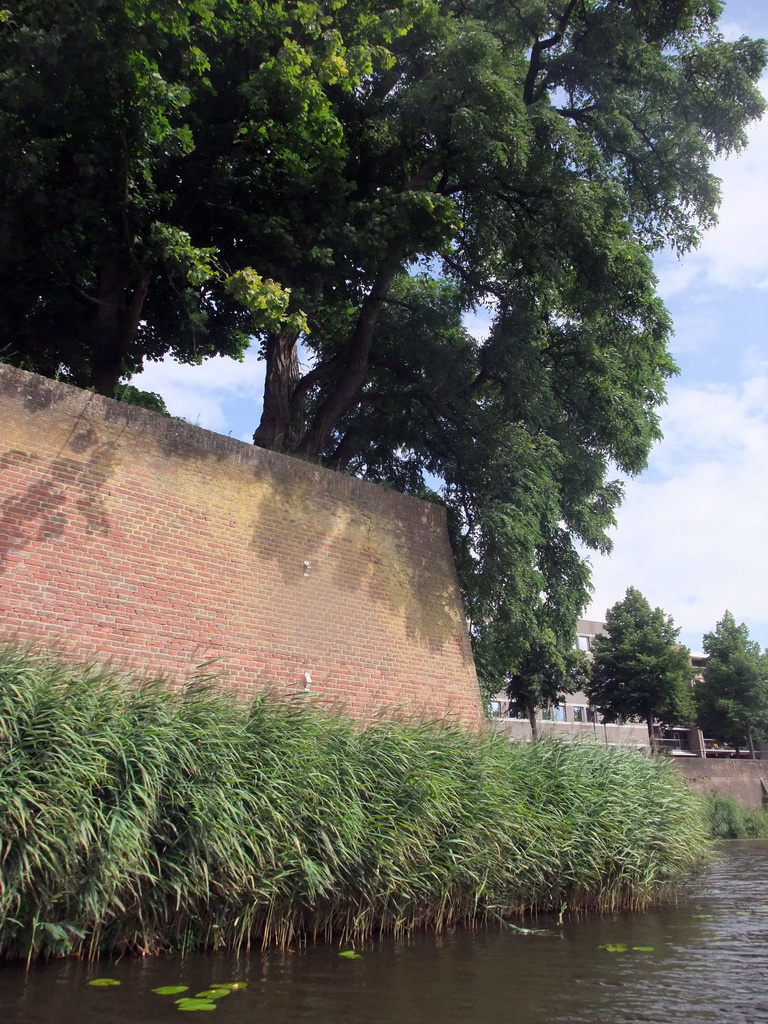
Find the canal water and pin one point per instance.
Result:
(705, 958)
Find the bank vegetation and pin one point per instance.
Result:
(138, 818)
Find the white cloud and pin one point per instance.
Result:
(732, 30)
(734, 254)
(692, 532)
(204, 394)
(478, 322)
(744, 18)
(697, 326)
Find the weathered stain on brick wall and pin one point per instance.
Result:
(159, 545)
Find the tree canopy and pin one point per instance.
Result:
(545, 675)
(346, 181)
(639, 670)
(732, 699)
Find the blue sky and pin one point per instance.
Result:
(692, 533)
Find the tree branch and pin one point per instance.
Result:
(580, 114)
(354, 364)
(534, 65)
(314, 376)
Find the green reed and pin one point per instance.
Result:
(727, 820)
(138, 818)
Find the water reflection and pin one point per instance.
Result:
(709, 962)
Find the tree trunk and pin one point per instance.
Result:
(344, 453)
(353, 374)
(534, 724)
(350, 367)
(118, 316)
(751, 743)
(651, 734)
(280, 428)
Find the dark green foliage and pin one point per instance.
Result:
(726, 820)
(639, 670)
(178, 173)
(134, 818)
(544, 676)
(143, 399)
(122, 123)
(91, 114)
(732, 699)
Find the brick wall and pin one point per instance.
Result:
(156, 544)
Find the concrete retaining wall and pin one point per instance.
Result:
(742, 781)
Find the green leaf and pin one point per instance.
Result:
(103, 982)
(213, 993)
(170, 990)
(643, 949)
(350, 954)
(195, 1004)
(614, 947)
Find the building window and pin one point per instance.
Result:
(584, 643)
(553, 713)
(495, 708)
(591, 715)
(578, 713)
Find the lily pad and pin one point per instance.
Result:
(614, 947)
(213, 993)
(170, 990)
(350, 954)
(103, 982)
(701, 916)
(195, 1004)
(233, 986)
(643, 949)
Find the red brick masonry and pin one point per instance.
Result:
(127, 536)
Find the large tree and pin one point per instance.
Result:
(121, 123)
(732, 699)
(179, 173)
(639, 670)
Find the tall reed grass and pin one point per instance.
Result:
(727, 820)
(136, 818)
